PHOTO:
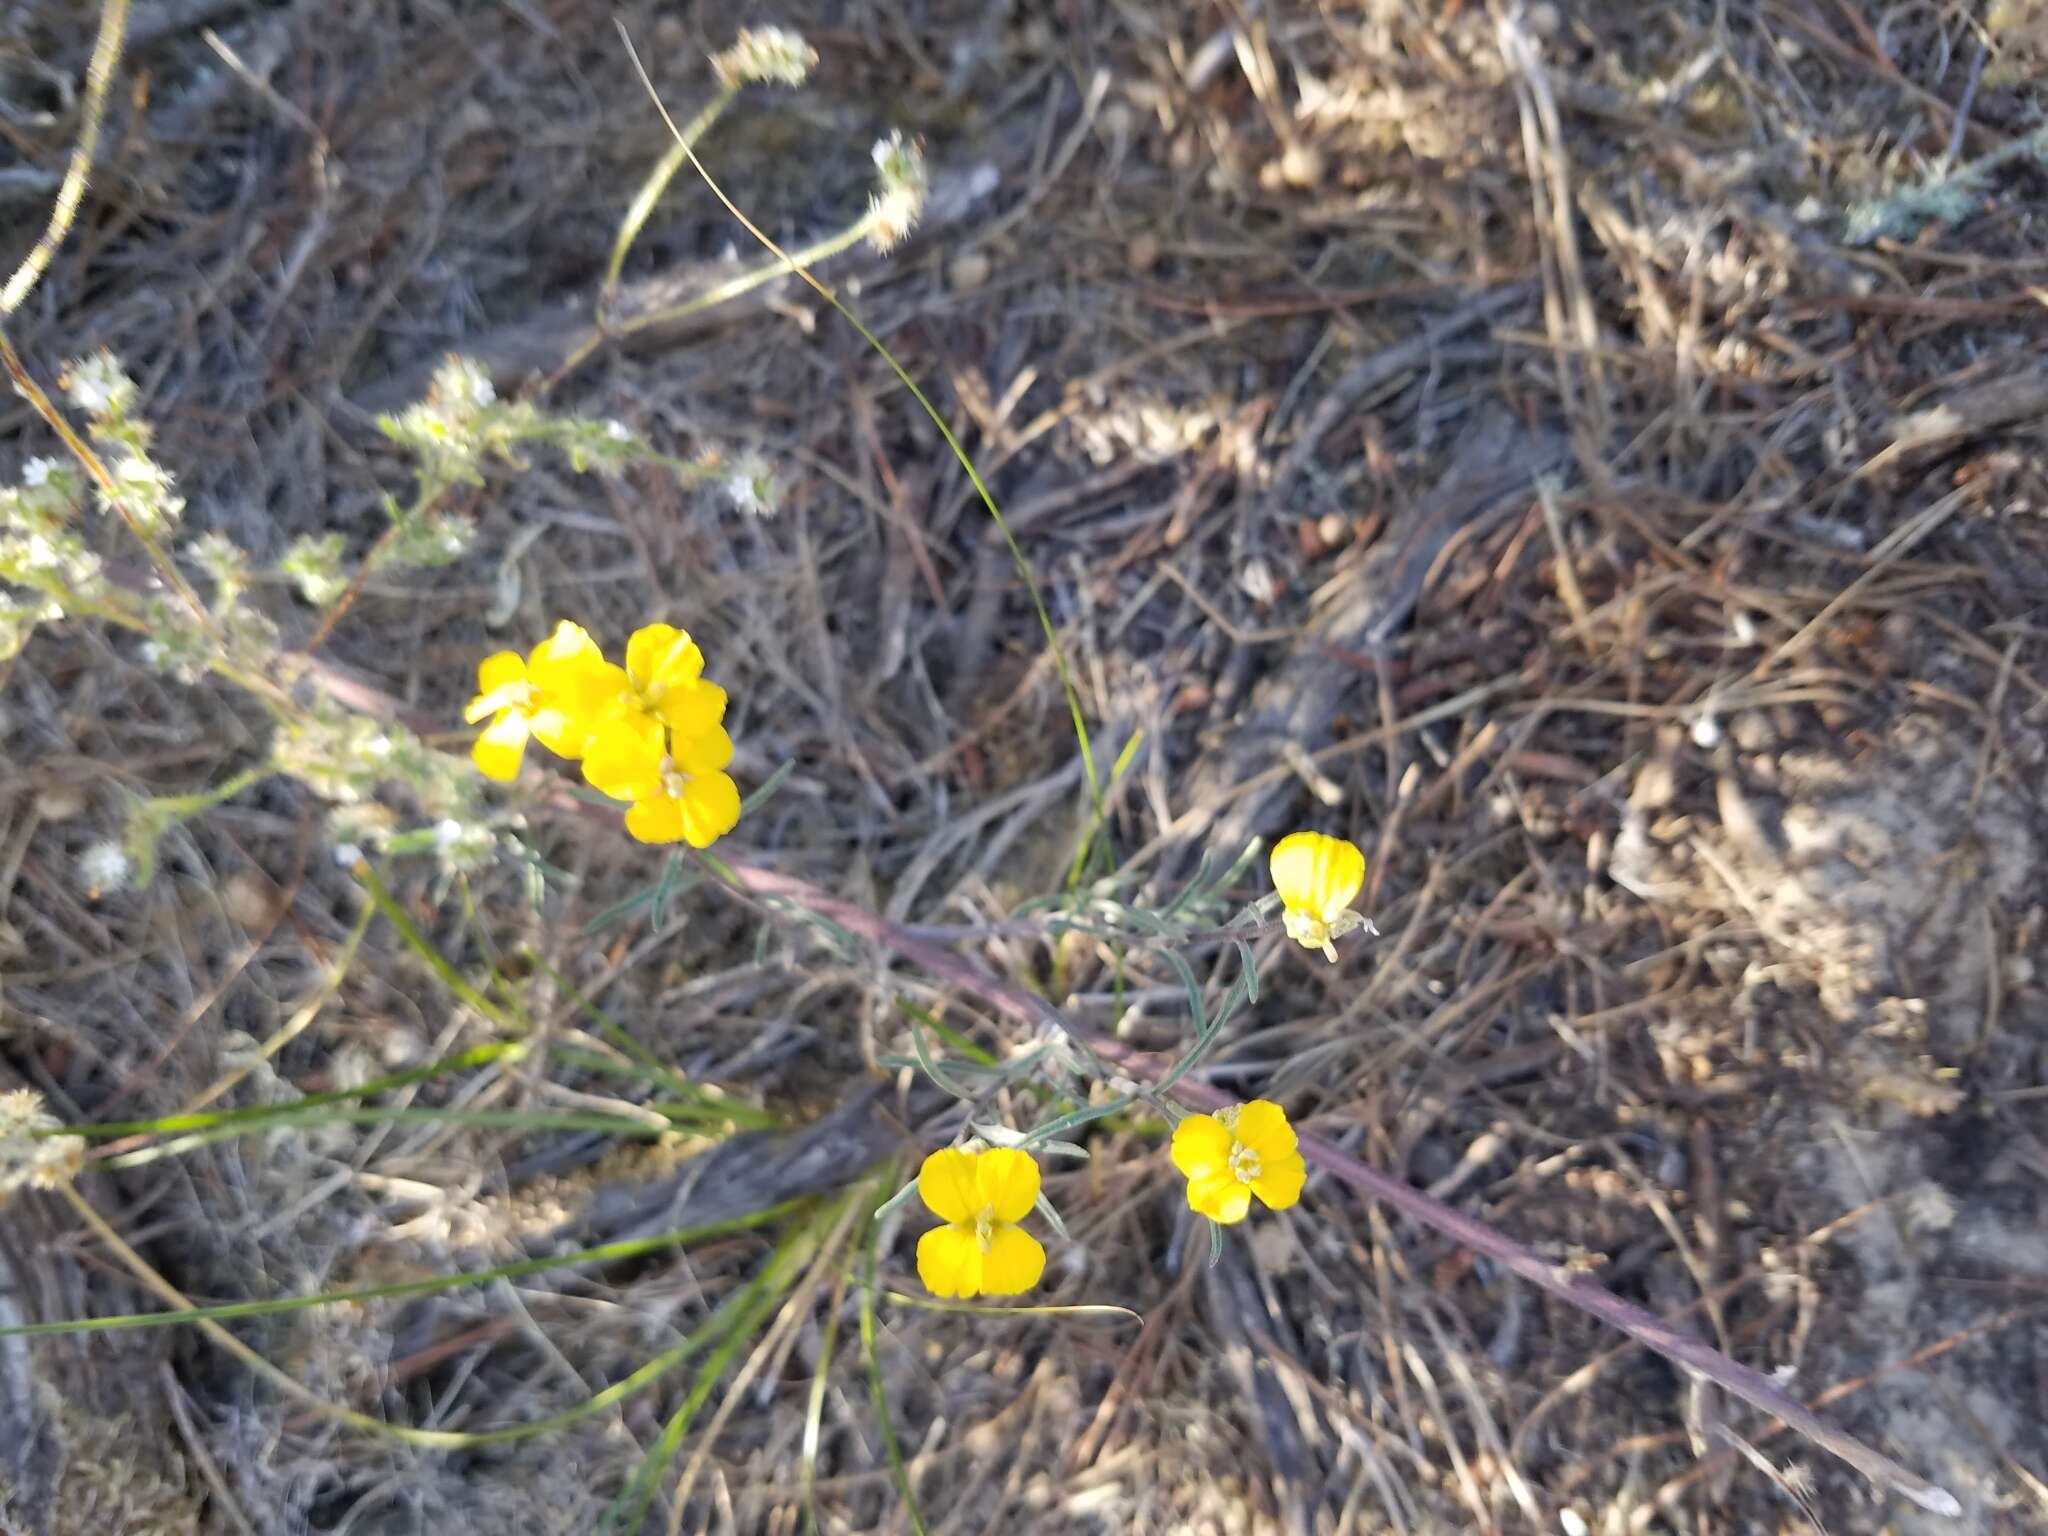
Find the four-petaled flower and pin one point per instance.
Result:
(663, 748)
(981, 1196)
(679, 793)
(555, 693)
(666, 669)
(1316, 876)
(1240, 1151)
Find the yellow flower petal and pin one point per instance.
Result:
(500, 749)
(500, 683)
(949, 1261)
(566, 651)
(577, 701)
(1008, 1180)
(1014, 1261)
(1262, 1126)
(1219, 1196)
(1280, 1180)
(498, 669)
(693, 709)
(1201, 1145)
(656, 819)
(1316, 874)
(707, 752)
(710, 809)
(622, 756)
(947, 1185)
(661, 654)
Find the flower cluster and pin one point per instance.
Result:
(901, 185)
(981, 1194)
(650, 733)
(767, 56)
(30, 1154)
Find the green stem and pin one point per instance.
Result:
(642, 206)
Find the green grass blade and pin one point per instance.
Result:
(946, 1032)
(746, 1313)
(878, 1393)
(607, 1253)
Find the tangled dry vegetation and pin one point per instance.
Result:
(1567, 448)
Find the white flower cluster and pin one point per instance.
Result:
(104, 867)
(97, 386)
(765, 56)
(29, 1155)
(901, 185)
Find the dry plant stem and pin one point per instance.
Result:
(99, 74)
(82, 451)
(1646, 1328)
(175, 1299)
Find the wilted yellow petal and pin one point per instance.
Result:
(1280, 1180)
(948, 1186)
(501, 747)
(1008, 1179)
(1013, 1263)
(1201, 1145)
(1316, 874)
(710, 809)
(949, 1261)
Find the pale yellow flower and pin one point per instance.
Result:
(556, 693)
(1240, 1151)
(1317, 876)
(981, 1196)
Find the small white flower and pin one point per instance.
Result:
(35, 474)
(446, 831)
(901, 185)
(347, 855)
(103, 867)
(618, 431)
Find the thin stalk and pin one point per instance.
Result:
(99, 75)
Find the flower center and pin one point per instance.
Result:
(1244, 1163)
(1305, 928)
(985, 1227)
(673, 779)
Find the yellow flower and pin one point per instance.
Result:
(981, 1196)
(1240, 1151)
(677, 784)
(1317, 876)
(555, 693)
(666, 670)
